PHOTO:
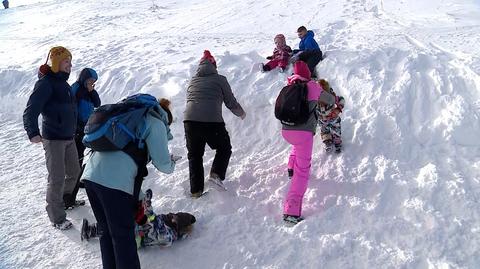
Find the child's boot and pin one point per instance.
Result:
(338, 148)
(148, 203)
(328, 145)
(88, 231)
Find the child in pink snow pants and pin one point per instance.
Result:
(280, 56)
(301, 138)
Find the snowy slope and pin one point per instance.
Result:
(403, 194)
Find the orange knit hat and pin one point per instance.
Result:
(57, 55)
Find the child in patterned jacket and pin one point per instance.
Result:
(280, 57)
(151, 229)
(329, 119)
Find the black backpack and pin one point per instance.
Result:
(291, 106)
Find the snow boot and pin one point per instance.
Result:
(88, 231)
(64, 225)
(289, 219)
(197, 195)
(147, 200)
(290, 173)
(328, 146)
(215, 181)
(338, 148)
(77, 203)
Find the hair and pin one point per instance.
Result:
(165, 104)
(301, 29)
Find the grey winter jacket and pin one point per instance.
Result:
(206, 93)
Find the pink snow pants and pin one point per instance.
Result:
(299, 160)
(276, 62)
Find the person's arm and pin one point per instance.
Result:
(157, 144)
(230, 100)
(39, 97)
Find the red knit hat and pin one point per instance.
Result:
(301, 68)
(208, 56)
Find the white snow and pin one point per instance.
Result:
(404, 193)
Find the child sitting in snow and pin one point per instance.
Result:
(280, 57)
(151, 229)
(328, 110)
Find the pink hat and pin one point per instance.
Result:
(281, 38)
(208, 56)
(301, 68)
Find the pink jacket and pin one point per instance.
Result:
(281, 54)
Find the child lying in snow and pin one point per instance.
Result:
(280, 57)
(329, 120)
(151, 229)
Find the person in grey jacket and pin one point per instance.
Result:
(204, 123)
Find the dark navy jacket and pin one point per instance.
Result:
(52, 98)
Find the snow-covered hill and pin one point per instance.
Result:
(403, 194)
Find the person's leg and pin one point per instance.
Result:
(283, 64)
(72, 173)
(219, 140)
(196, 149)
(312, 60)
(120, 217)
(337, 133)
(106, 243)
(302, 141)
(55, 156)
(291, 158)
(80, 147)
(291, 162)
(272, 64)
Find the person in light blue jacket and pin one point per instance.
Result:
(109, 181)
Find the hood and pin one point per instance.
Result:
(310, 34)
(86, 74)
(161, 114)
(205, 68)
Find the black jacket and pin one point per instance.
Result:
(52, 98)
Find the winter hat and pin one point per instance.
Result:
(58, 54)
(93, 73)
(325, 85)
(208, 56)
(301, 68)
(165, 104)
(181, 222)
(281, 39)
(87, 73)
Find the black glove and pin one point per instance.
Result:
(269, 57)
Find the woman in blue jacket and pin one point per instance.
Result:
(109, 178)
